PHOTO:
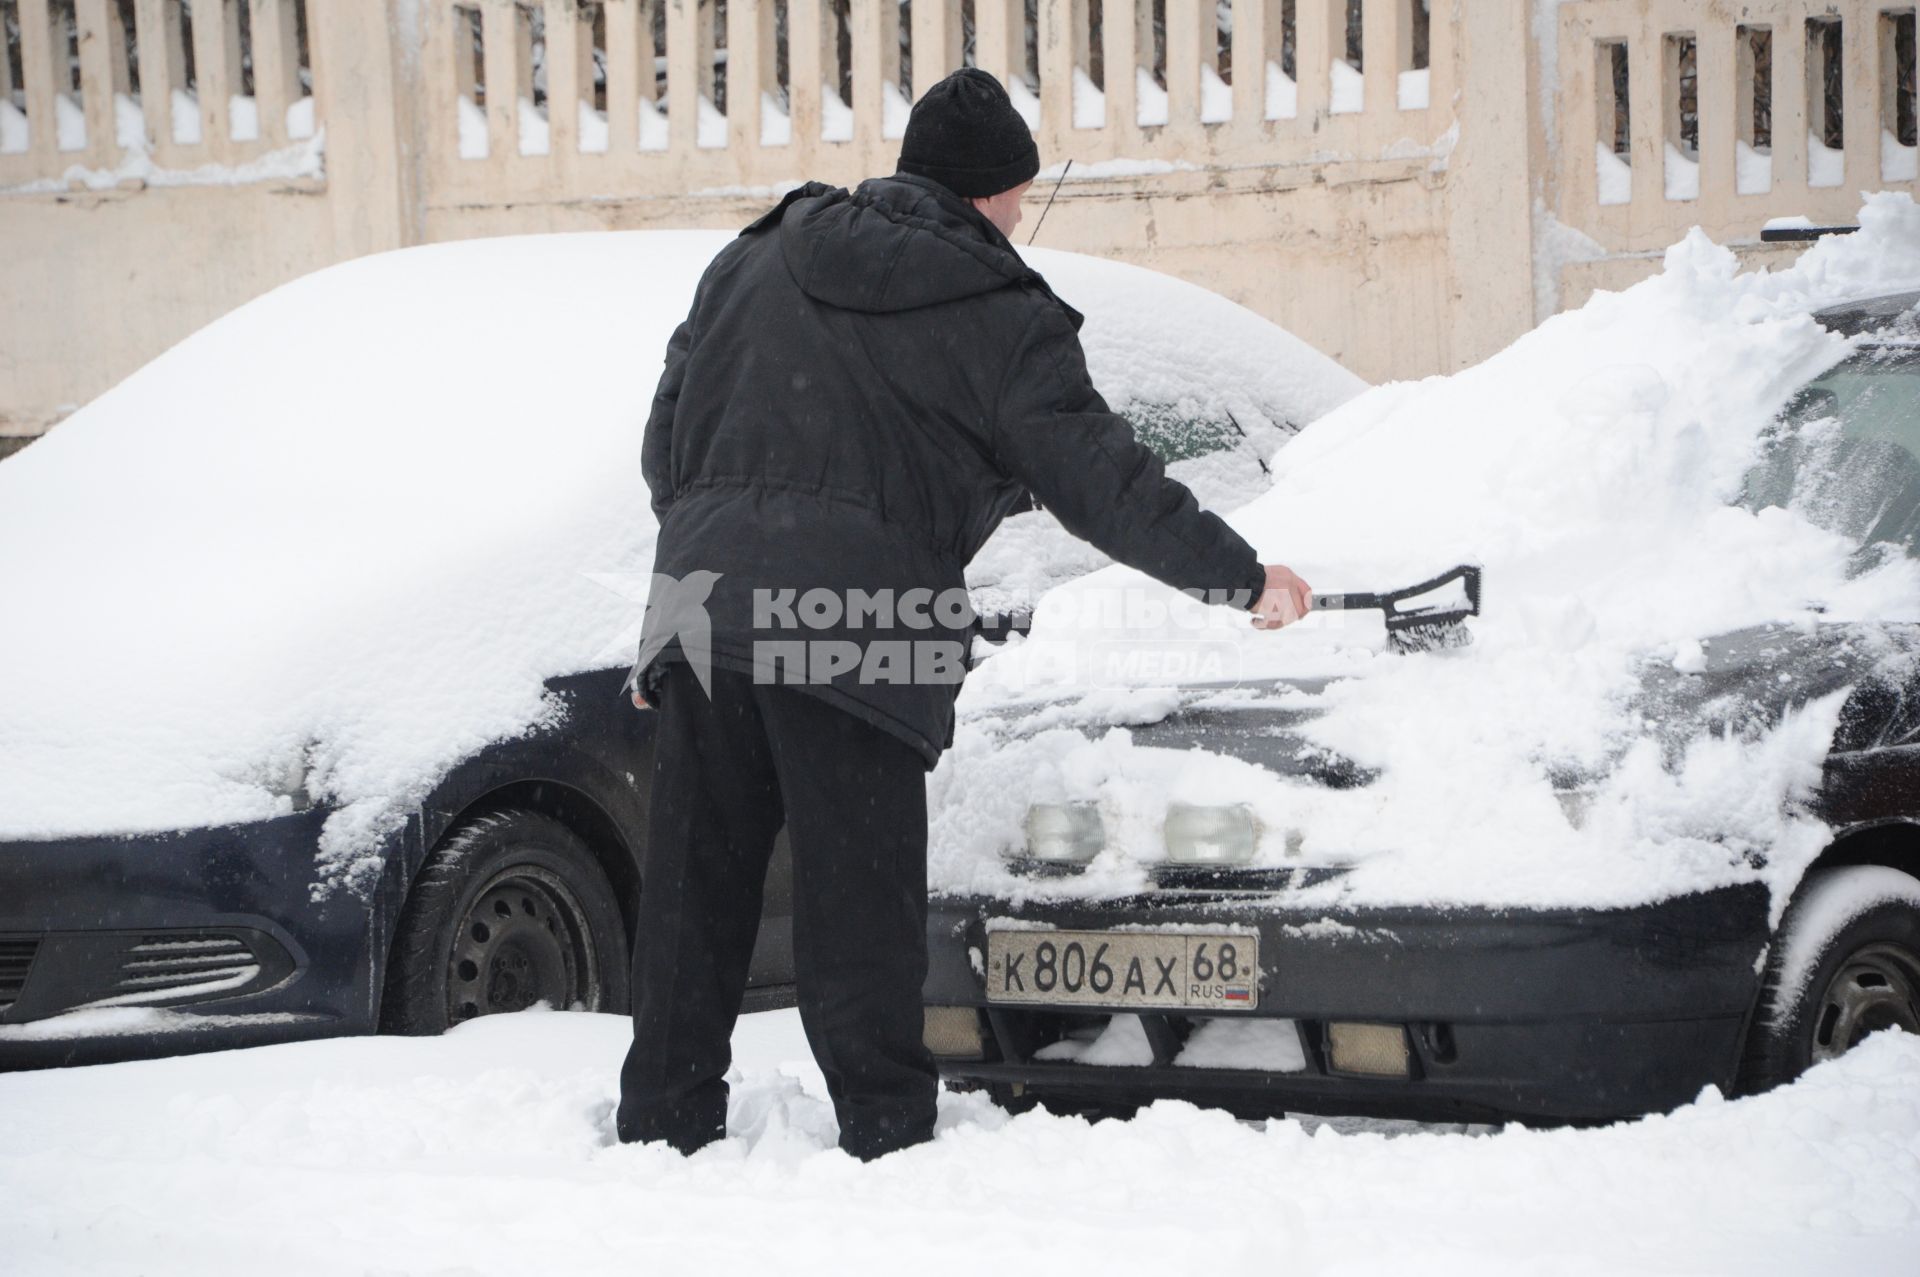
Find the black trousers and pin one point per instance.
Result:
(727, 772)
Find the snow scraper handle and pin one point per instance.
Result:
(1423, 617)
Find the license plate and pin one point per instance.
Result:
(1218, 970)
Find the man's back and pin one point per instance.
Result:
(867, 385)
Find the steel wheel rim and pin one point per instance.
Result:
(525, 939)
(1877, 987)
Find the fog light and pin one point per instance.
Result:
(953, 1033)
(1376, 1050)
(1209, 835)
(1065, 833)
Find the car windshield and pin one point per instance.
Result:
(1846, 452)
(1180, 433)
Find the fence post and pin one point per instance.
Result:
(865, 27)
(999, 38)
(1716, 90)
(1250, 36)
(1063, 27)
(937, 43)
(1386, 32)
(216, 65)
(1318, 39)
(807, 39)
(36, 69)
(367, 88)
(1120, 36)
(1188, 21)
(1859, 79)
(96, 79)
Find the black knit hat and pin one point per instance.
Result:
(965, 135)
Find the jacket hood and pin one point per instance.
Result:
(896, 243)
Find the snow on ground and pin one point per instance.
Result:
(1589, 468)
(490, 1151)
(334, 542)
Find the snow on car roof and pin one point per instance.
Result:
(1589, 468)
(337, 540)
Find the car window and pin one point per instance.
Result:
(1180, 433)
(1846, 452)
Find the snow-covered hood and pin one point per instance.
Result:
(1592, 469)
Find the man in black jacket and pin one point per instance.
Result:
(867, 384)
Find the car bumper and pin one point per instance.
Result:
(1551, 1016)
(173, 942)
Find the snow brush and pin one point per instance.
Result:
(1427, 617)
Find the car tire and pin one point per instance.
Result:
(1845, 963)
(510, 910)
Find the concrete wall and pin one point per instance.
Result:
(1405, 232)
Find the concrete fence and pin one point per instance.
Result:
(1407, 183)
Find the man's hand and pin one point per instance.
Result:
(640, 702)
(1285, 600)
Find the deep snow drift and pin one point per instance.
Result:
(1589, 468)
(488, 1151)
(335, 542)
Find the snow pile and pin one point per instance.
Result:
(1589, 468)
(335, 542)
(490, 1151)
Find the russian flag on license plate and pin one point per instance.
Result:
(1236, 993)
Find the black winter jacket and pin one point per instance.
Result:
(868, 383)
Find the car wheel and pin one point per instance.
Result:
(510, 910)
(1846, 963)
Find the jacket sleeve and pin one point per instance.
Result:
(1054, 433)
(656, 446)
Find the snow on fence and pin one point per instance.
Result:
(557, 99)
(1674, 114)
(98, 91)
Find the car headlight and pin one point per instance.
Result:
(1198, 835)
(1064, 833)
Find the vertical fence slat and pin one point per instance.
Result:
(1250, 38)
(36, 69)
(683, 74)
(864, 29)
(1716, 90)
(936, 43)
(158, 72)
(1790, 101)
(748, 59)
(563, 82)
(500, 36)
(1187, 21)
(1579, 116)
(215, 66)
(96, 78)
(1385, 31)
(1120, 40)
(441, 79)
(1645, 96)
(998, 33)
(1860, 98)
(1442, 73)
(624, 75)
(276, 64)
(1318, 39)
(1063, 24)
(806, 69)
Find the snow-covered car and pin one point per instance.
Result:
(1656, 829)
(310, 719)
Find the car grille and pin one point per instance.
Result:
(177, 963)
(16, 959)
